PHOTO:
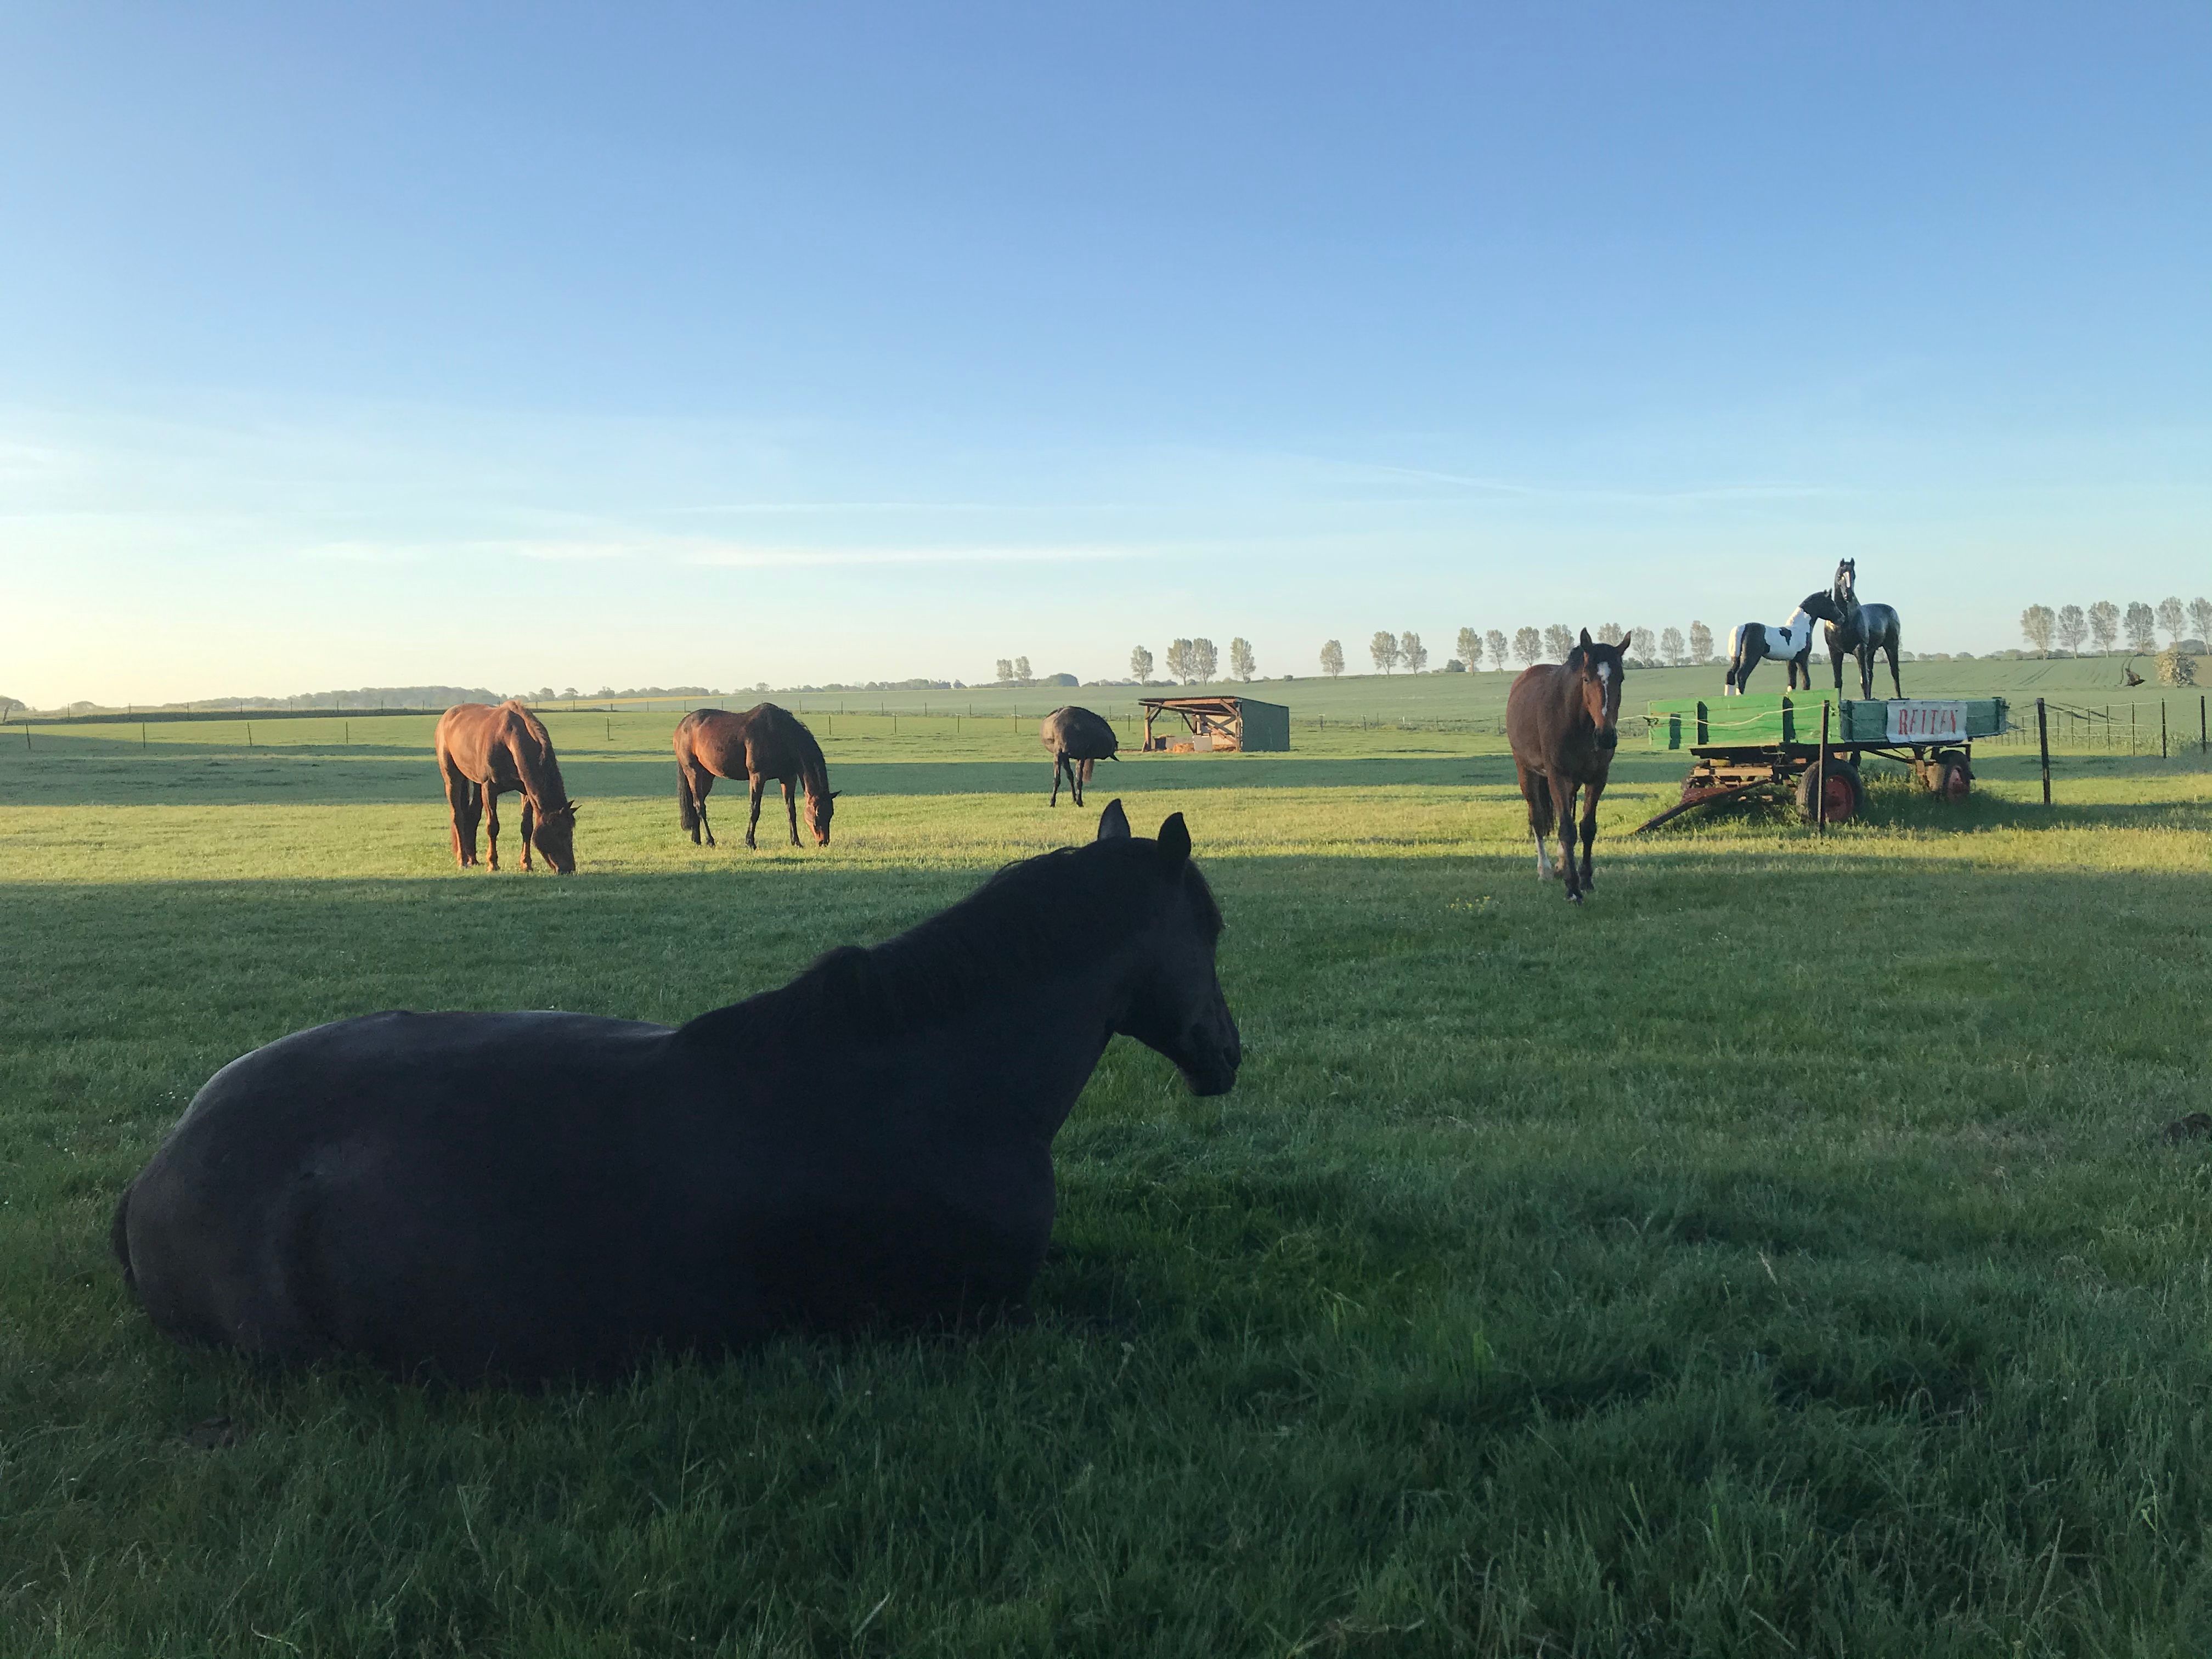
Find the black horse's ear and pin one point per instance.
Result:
(1175, 839)
(1586, 639)
(833, 794)
(1113, 823)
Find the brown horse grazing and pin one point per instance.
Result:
(524, 1196)
(488, 751)
(1563, 721)
(762, 743)
(1079, 740)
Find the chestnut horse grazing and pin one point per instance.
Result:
(488, 751)
(1079, 740)
(1563, 722)
(531, 1195)
(764, 742)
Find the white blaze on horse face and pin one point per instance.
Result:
(1605, 671)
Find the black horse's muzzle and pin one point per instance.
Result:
(1608, 737)
(1213, 1071)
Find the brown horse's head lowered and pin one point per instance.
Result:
(555, 836)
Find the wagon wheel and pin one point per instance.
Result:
(1954, 779)
(1845, 794)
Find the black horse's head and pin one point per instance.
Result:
(554, 834)
(1845, 590)
(1822, 607)
(1595, 672)
(1177, 1008)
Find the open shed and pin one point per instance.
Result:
(1219, 723)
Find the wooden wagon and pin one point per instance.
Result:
(1745, 744)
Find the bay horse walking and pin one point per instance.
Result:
(764, 742)
(486, 750)
(522, 1196)
(1563, 722)
(1861, 630)
(1751, 643)
(1079, 740)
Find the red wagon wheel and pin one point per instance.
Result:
(1842, 794)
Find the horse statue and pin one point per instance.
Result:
(1079, 740)
(525, 1196)
(1860, 631)
(764, 742)
(1751, 643)
(1563, 722)
(486, 751)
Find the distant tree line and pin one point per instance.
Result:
(2104, 624)
(1391, 652)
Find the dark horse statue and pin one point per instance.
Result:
(1861, 630)
(487, 751)
(531, 1195)
(764, 742)
(1563, 721)
(1751, 643)
(1079, 740)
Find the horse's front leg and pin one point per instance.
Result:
(529, 828)
(1563, 807)
(1591, 791)
(791, 808)
(752, 822)
(491, 825)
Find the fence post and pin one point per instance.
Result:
(1820, 774)
(2043, 743)
(2162, 755)
(2201, 745)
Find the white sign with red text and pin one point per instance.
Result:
(1913, 722)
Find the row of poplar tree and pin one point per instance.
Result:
(1391, 652)
(2104, 624)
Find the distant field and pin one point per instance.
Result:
(1776, 1256)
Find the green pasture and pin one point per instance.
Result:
(1777, 1255)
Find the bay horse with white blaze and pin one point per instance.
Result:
(524, 1196)
(485, 751)
(764, 742)
(1563, 722)
(1751, 643)
(1079, 740)
(1861, 630)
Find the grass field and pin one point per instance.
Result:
(1779, 1255)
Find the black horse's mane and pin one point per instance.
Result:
(993, 945)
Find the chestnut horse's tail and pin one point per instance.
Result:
(687, 809)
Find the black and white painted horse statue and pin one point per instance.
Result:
(1751, 643)
(1860, 630)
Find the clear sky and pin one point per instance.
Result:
(710, 344)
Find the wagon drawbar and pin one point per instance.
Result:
(1746, 745)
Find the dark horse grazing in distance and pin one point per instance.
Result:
(764, 742)
(1563, 721)
(530, 1195)
(1751, 643)
(487, 751)
(1861, 630)
(1079, 740)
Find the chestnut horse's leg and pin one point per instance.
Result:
(491, 824)
(529, 825)
(791, 808)
(1537, 792)
(1562, 804)
(700, 781)
(759, 782)
(1591, 790)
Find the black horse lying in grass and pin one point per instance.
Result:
(525, 1195)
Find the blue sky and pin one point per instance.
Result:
(710, 345)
